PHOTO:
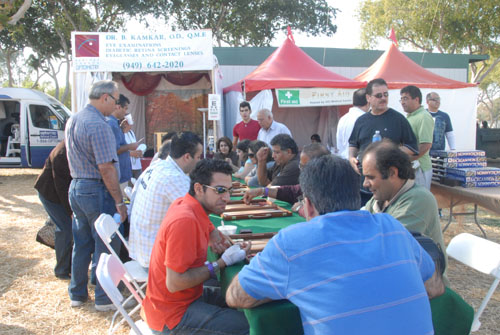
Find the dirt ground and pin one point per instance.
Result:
(33, 301)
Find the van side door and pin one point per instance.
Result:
(45, 130)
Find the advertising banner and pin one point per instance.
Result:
(311, 97)
(142, 52)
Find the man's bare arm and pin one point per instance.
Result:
(353, 153)
(237, 297)
(422, 149)
(435, 285)
(180, 281)
(262, 166)
(235, 142)
(110, 177)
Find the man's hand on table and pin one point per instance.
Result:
(218, 242)
(252, 193)
(236, 253)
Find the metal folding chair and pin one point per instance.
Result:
(106, 227)
(110, 272)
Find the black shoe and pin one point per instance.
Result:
(64, 276)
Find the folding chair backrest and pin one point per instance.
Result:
(109, 273)
(476, 252)
(479, 254)
(106, 227)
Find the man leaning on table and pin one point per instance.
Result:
(348, 271)
(176, 301)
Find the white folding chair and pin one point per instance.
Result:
(482, 255)
(110, 272)
(106, 227)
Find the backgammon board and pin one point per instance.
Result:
(257, 209)
(259, 240)
(238, 189)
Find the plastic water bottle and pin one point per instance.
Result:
(117, 218)
(376, 137)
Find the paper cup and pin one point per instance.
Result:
(228, 229)
(129, 119)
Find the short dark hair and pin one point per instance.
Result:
(226, 140)
(359, 98)
(315, 137)
(285, 141)
(204, 170)
(123, 100)
(185, 142)
(374, 82)
(244, 104)
(331, 184)
(168, 136)
(413, 91)
(165, 149)
(315, 150)
(243, 145)
(256, 145)
(387, 154)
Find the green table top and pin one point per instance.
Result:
(449, 311)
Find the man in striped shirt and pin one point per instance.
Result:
(348, 271)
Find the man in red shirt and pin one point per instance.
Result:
(176, 300)
(248, 129)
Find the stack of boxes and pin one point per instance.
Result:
(464, 168)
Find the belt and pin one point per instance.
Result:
(95, 179)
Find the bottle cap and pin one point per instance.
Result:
(117, 218)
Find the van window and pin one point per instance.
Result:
(43, 117)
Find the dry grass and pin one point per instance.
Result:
(33, 301)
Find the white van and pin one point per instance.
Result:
(31, 125)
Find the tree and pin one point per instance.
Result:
(448, 26)
(12, 11)
(248, 23)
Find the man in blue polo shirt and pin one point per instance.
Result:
(93, 163)
(348, 271)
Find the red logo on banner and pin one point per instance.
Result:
(87, 45)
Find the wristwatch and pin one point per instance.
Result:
(213, 268)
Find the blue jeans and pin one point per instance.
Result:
(207, 316)
(88, 198)
(63, 236)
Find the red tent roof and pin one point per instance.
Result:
(399, 71)
(289, 66)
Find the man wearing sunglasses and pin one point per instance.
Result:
(176, 301)
(93, 163)
(390, 123)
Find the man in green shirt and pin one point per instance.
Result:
(422, 124)
(389, 175)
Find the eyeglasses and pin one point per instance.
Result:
(435, 99)
(404, 99)
(380, 95)
(112, 97)
(219, 189)
(251, 155)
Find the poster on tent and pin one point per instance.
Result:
(189, 50)
(313, 97)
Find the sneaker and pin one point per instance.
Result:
(105, 308)
(76, 303)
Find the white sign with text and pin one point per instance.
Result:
(310, 97)
(143, 52)
(214, 107)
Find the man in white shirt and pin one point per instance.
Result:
(346, 122)
(157, 188)
(268, 127)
